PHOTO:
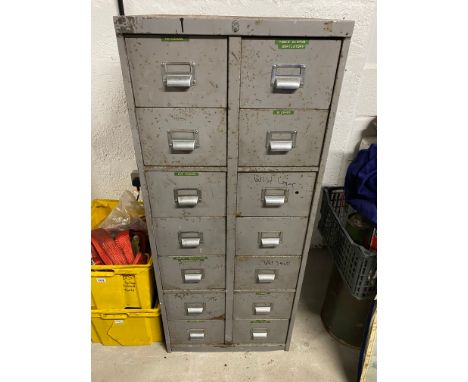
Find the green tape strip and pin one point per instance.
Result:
(190, 258)
(283, 112)
(186, 173)
(260, 322)
(174, 39)
(291, 44)
(262, 293)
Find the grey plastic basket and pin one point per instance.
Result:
(356, 264)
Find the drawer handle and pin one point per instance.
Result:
(176, 78)
(281, 141)
(192, 310)
(190, 242)
(183, 144)
(187, 198)
(266, 277)
(274, 200)
(197, 334)
(184, 141)
(259, 334)
(289, 82)
(192, 277)
(270, 242)
(262, 309)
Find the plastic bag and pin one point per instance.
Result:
(129, 214)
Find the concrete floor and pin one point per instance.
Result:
(314, 355)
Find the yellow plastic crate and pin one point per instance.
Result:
(131, 327)
(100, 209)
(122, 286)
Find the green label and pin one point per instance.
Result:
(186, 173)
(283, 112)
(172, 39)
(291, 44)
(197, 321)
(262, 293)
(260, 322)
(190, 258)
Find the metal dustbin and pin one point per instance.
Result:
(344, 316)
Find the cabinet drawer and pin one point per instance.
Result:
(190, 236)
(274, 194)
(196, 332)
(187, 72)
(181, 136)
(192, 272)
(181, 193)
(275, 74)
(260, 331)
(194, 305)
(266, 272)
(289, 137)
(270, 236)
(263, 305)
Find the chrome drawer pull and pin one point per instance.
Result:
(183, 144)
(192, 277)
(276, 146)
(190, 242)
(187, 200)
(266, 277)
(177, 78)
(270, 242)
(274, 200)
(197, 335)
(289, 82)
(262, 309)
(187, 197)
(259, 334)
(195, 310)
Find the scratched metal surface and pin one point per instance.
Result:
(280, 304)
(213, 304)
(285, 267)
(156, 124)
(276, 331)
(210, 56)
(299, 188)
(255, 124)
(212, 268)
(291, 230)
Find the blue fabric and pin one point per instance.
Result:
(361, 184)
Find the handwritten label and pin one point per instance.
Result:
(118, 321)
(100, 280)
(190, 258)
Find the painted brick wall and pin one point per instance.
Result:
(113, 156)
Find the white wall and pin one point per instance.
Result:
(113, 156)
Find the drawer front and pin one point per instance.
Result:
(192, 272)
(260, 331)
(274, 194)
(263, 305)
(196, 332)
(190, 72)
(266, 272)
(270, 236)
(182, 194)
(272, 77)
(193, 137)
(190, 236)
(287, 137)
(194, 305)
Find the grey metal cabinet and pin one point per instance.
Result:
(231, 120)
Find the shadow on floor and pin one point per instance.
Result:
(314, 288)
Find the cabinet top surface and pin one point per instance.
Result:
(232, 26)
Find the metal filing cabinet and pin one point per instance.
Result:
(231, 120)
